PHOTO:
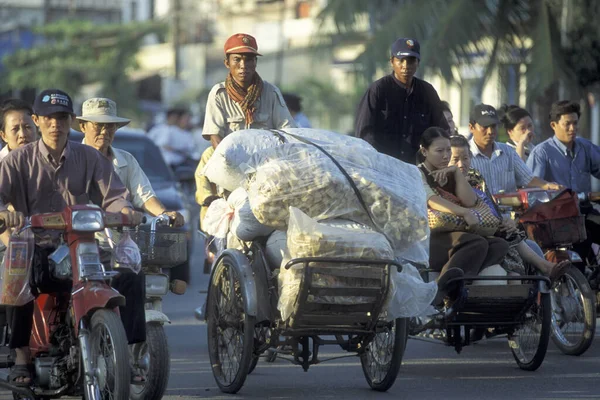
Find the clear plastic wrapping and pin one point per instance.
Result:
(16, 269)
(226, 167)
(338, 239)
(299, 175)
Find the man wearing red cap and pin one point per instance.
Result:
(244, 100)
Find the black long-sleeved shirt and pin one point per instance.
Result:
(396, 117)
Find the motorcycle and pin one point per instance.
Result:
(553, 221)
(161, 249)
(78, 343)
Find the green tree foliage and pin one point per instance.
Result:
(75, 53)
(455, 32)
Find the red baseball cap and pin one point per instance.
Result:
(241, 43)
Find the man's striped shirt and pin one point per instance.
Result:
(504, 171)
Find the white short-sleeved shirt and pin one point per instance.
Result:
(4, 152)
(180, 140)
(133, 177)
(223, 115)
(504, 171)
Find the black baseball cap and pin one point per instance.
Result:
(484, 115)
(406, 47)
(52, 101)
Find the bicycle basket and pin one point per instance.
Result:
(169, 249)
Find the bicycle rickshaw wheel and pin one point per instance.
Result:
(230, 328)
(383, 356)
(573, 305)
(529, 342)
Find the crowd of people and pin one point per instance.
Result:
(400, 115)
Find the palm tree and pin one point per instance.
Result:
(455, 32)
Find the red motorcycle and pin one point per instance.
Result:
(553, 220)
(78, 343)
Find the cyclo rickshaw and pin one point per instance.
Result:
(243, 320)
(518, 306)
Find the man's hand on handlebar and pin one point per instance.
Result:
(135, 217)
(12, 219)
(175, 218)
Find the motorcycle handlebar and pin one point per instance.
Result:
(593, 196)
(117, 220)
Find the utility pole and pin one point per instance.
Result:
(280, 55)
(176, 13)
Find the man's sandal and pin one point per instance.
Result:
(24, 371)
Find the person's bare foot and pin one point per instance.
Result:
(23, 359)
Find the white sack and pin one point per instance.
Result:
(226, 167)
(244, 224)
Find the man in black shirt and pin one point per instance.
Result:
(397, 108)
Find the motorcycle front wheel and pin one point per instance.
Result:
(573, 313)
(109, 356)
(153, 361)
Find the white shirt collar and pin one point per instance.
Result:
(4, 152)
(117, 157)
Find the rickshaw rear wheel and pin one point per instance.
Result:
(383, 356)
(230, 328)
(529, 342)
(574, 303)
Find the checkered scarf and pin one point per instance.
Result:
(246, 98)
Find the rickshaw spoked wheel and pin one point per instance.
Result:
(383, 356)
(230, 328)
(529, 342)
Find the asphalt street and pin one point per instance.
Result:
(485, 370)
(429, 371)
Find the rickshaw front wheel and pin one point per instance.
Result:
(230, 328)
(382, 359)
(529, 342)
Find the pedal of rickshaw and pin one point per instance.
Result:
(305, 357)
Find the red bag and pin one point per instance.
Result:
(555, 223)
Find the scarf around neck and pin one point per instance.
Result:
(246, 98)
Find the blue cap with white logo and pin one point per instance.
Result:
(406, 47)
(52, 101)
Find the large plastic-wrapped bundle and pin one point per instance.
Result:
(226, 167)
(299, 175)
(338, 239)
(244, 224)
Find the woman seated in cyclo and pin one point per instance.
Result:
(519, 251)
(455, 214)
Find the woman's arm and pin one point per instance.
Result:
(440, 204)
(463, 189)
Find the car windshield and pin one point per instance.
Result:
(147, 155)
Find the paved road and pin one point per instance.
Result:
(430, 371)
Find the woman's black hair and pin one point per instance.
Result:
(459, 141)
(511, 115)
(427, 139)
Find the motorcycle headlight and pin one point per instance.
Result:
(87, 221)
(537, 197)
(88, 259)
(157, 284)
